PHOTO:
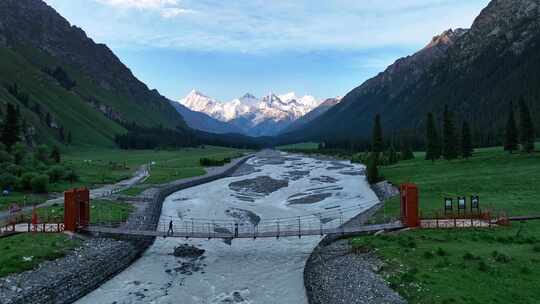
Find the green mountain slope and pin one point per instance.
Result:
(477, 72)
(35, 41)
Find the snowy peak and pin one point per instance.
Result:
(251, 111)
(197, 101)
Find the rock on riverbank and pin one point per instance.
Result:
(335, 275)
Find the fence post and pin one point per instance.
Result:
(321, 224)
(299, 228)
(341, 222)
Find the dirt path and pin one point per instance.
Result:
(103, 191)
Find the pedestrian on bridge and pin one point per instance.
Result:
(170, 231)
(235, 230)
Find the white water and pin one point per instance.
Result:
(248, 271)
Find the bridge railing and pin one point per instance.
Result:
(329, 221)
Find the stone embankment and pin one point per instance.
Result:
(334, 274)
(69, 278)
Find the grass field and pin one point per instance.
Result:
(100, 211)
(468, 266)
(25, 251)
(299, 146)
(107, 166)
(104, 166)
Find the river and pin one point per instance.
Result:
(269, 186)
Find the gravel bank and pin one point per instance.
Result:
(333, 274)
(67, 279)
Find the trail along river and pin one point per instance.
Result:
(268, 271)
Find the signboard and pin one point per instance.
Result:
(14, 208)
(448, 204)
(475, 202)
(462, 202)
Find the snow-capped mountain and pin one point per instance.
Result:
(257, 117)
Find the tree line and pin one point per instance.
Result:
(25, 168)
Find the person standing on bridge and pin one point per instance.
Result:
(170, 231)
(235, 230)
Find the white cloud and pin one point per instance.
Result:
(303, 25)
(166, 8)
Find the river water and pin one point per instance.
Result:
(269, 186)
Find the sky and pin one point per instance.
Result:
(225, 49)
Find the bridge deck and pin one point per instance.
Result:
(243, 234)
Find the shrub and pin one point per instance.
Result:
(428, 255)
(468, 256)
(14, 169)
(26, 180)
(55, 155)
(501, 257)
(482, 266)
(441, 252)
(40, 183)
(71, 176)
(208, 162)
(5, 157)
(42, 153)
(55, 173)
(536, 248)
(7, 181)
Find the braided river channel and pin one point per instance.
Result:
(269, 188)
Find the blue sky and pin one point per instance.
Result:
(227, 48)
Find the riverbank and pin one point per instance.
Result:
(334, 274)
(499, 265)
(67, 279)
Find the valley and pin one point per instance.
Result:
(406, 171)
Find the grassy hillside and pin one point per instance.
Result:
(88, 125)
(466, 266)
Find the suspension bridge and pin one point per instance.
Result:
(332, 221)
(338, 221)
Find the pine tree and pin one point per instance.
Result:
(377, 145)
(372, 168)
(511, 133)
(449, 145)
(526, 127)
(433, 145)
(392, 156)
(55, 155)
(466, 141)
(61, 134)
(10, 128)
(406, 151)
(48, 120)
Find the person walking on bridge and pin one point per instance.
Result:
(170, 231)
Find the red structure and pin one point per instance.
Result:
(410, 216)
(76, 209)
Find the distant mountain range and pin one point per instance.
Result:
(252, 116)
(477, 72)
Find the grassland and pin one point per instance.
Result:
(25, 251)
(467, 266)
(101, 211)
(299, 146)
(106, 166)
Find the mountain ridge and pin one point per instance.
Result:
(79, 84)
(266, 116)
(479, 70)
